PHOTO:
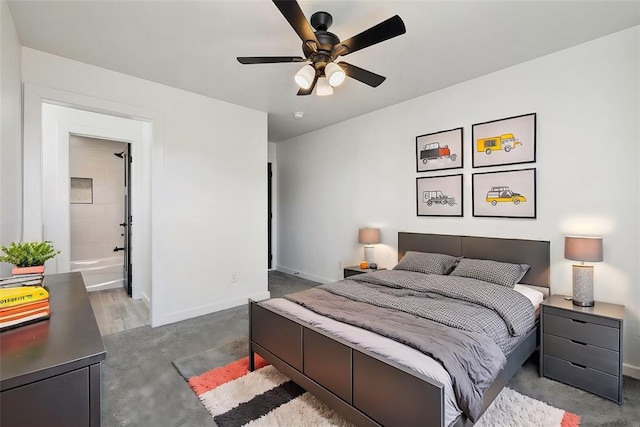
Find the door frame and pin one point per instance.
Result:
(33, 175)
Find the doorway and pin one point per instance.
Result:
(50, 116)
(99, 212)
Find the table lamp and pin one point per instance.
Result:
(368, 237)
(583, 249)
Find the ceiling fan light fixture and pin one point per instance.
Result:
(323, 88)
(335, 74)
(304, 77)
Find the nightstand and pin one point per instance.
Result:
(582, 346)
(355, 269)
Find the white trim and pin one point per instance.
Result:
(177, 316)
(311, 277)
(145, 300)
(631, 371)
(34, 96)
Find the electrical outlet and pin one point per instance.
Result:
(234, 277)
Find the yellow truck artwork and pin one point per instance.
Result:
(503, 194)
(506, 142)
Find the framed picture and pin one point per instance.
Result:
(439, 195)
(440, 150)
(507, 194)
(507, 141)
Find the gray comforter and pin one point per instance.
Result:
(462, 323)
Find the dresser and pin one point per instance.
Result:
(51, 371)
(582, 346)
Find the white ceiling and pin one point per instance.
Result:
(193, 45)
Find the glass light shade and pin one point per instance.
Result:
(335, 74)
(304, 77)
(323, 87)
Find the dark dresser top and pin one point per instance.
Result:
(69, 340)
(602, 309)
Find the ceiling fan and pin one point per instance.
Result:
(321, 49)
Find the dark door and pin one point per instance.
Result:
(127, 274)
(269, 215)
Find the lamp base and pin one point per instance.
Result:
(583, 285)
(368, 254)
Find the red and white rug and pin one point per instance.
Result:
(264, 398)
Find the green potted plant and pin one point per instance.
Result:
(28, 257)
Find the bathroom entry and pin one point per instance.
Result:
(100, 217)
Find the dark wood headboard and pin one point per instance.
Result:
(536, 253)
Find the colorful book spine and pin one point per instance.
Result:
(27, 318)
(10, 297)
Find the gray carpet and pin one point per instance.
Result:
(142, 388)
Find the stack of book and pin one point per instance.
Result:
(23, 299)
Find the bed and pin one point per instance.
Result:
(364, 384)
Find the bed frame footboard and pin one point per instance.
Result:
(363, 387)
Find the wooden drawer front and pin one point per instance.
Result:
(582, 354)
(58, 401)
(588, 379)
(584, 332)
(278, 335)
(392, 399)
(328, 362)
(584, 317)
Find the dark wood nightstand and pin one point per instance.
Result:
(355, 269)
(582, 346)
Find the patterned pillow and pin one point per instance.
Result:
(428, 263)
(500, 273)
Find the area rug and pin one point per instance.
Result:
(264, 398)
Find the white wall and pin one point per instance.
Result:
(95, 226)
(207, 190)
(362, 171)
(10, 134)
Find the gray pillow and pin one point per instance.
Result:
(428, 263)
(500, 273)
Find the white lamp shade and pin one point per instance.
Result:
(304, 77)
(323, 88)
(335, 74)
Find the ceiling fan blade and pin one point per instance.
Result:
(294, 15)
(268, 59)
(385, 30)
(302, 91)
(360, 74)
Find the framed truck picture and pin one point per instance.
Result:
(439, 150)
(439, 195)
(504, 142)
(505, 194)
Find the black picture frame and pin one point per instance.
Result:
(440, 196)
(440, 150)
(505, 194)
(507, 141)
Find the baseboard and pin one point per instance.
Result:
(177, 316)
(631, 370)
(303, 275)
(146, 300)
(114, 284)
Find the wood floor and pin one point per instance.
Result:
(115, 311)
